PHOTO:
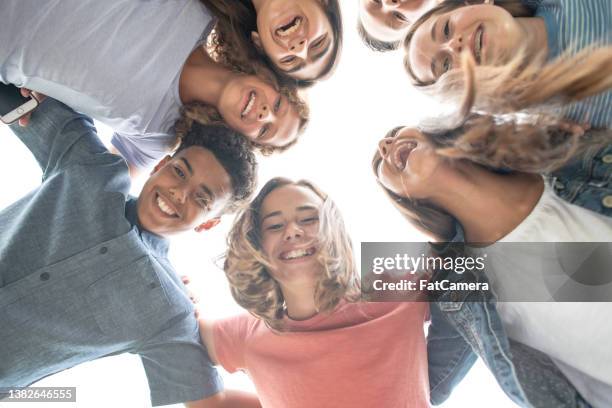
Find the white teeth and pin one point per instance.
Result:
(292, 28)
(164, 206)
(297, 253)
(249, 106)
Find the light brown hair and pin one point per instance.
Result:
(246, 266)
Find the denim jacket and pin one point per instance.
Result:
(466, 326)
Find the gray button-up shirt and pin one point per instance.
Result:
(79, 279)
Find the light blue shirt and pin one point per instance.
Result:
(572, 25)
(80, 280)
(118, 61)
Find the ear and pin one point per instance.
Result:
(206, 225)
(256, 40)
(161, 164)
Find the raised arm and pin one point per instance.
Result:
(58, 137)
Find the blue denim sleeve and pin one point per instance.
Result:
(177, 365)
(450, 357)
(57, 136)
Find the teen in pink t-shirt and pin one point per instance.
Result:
(309, 342)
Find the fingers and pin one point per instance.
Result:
(24, 120)
(25, 92)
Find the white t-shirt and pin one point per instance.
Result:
(578, 335)
(118, 61)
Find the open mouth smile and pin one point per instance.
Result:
(291, 27)
(250, 103)
(165, 206)
(297, 254)
(402, 152)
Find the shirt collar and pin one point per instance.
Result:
(159, 245)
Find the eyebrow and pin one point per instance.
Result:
(433, 30)
(187, 165)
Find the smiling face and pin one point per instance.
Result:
(389, 20)
(408, 164)
(183, 192)
(257, 110)
(489, 33)
(289, 228)
(296, 35)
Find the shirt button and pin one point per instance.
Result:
(44, 276)
(607, 159)
(607, 201)
(103, 250)
(559, 185)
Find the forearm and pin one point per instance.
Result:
(227, 399)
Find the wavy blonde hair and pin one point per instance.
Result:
(246, 266)
(518, 82)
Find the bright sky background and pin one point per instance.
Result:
(368, 95)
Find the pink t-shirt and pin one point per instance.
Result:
(362, 355)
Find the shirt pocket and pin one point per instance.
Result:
(131, 303)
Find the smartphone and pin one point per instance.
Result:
(13, 105)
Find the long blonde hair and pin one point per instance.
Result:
(519, 82)
(246, 266)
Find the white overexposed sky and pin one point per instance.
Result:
(368, 95)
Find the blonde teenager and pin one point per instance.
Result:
(506, 36)
(308, 341)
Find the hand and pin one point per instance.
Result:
(26, 93)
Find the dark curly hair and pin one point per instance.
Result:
(232, 150)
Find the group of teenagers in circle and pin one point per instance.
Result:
(193, 87)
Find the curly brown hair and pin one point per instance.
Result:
(246, 266)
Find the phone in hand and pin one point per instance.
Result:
(13, 105)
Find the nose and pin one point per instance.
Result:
(456, 44)
(384, 147)
(299, 47)
(178, 194)
(293, 231)
(264, 113)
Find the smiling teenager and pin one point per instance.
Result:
(503, 37)
(383, 24)
(83, 266)
(308, 341)
(459, 200)
(137, 84)
(301, 40)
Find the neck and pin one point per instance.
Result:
(534, 36)
(487, 205)
(299, 300)
(202, 79)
